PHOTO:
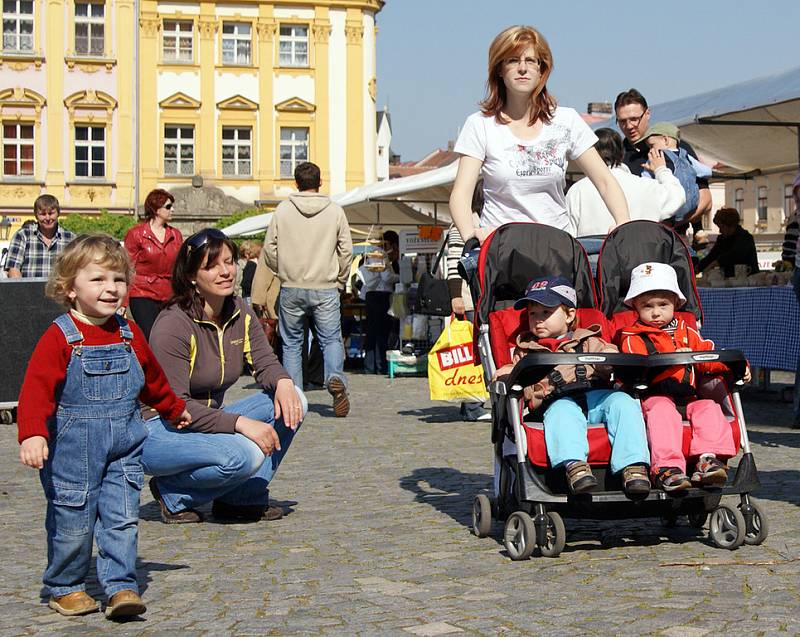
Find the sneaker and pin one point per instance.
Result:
(635, 480)
(341, 401)
(672, 479)
(126, 603)
(710, 472)
(245, 512)
(580, 478)
(72, 604)
(187, 516)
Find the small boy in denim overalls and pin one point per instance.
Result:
(79, 424)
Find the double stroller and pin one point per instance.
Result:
(529, 495)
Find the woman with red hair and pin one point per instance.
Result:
(152, 246)
(521, 141)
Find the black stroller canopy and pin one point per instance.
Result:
(518, 252)
(638, 242)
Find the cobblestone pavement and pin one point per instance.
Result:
(377, 543)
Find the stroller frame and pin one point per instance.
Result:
(525, 498)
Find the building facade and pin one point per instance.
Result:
(764, 202)
(238, 93)
(66, 104)
(230, 94)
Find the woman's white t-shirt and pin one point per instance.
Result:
(524, 180)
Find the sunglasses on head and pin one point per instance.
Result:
(199, 239)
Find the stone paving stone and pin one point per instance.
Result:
(377, 541)
(433, 629)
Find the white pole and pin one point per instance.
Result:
(135, 107)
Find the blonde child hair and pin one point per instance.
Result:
(250, 249)
(80, 252)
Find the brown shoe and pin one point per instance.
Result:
(125, 604)
(187, 516)
(341, 401)
(71, 604)
(245, 512)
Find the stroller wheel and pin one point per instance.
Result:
(556, 536)
(727, 528)
(755, 523)
(519, 536)
(481, 515)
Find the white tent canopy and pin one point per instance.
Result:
(752, 125)
(409, 201)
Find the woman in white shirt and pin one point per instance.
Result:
(520, 141)
(654, 199)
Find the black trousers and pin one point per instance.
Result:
(144, 312)
(379, 326)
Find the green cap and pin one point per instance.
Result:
(662, 128)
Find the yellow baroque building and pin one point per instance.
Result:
(240, 92)
(230, 94)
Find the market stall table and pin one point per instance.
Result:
(762, 322)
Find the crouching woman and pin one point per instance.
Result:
(230, 453)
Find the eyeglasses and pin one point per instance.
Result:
(524, 61)
(199, 239)
(167, 206)
(633, 121)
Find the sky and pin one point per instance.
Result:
(432, 54)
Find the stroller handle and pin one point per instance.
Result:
(631, 369)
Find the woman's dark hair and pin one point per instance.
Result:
(191, 256)
(609, 145)
(478, 198)
(392, 237)
(727, 216)
(155, 199)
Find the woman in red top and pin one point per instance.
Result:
(152, 246)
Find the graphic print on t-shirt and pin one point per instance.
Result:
(540, 159)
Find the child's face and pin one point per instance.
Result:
(549, 322)
(660, 142)
(655, 308)
(98, 291)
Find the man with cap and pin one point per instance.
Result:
(633, 119)
(655, 295)
(550, 313)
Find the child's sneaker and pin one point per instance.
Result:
(579, 476)
(635, 480)
(672, 479)
(710, 472)
(71, 604)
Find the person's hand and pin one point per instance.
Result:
(457, 305)
(287, 404)
(503, 371)
(184, 420)
(747, 375)
(261, 433)
(482, 233)
(33, 451)
(655, 160)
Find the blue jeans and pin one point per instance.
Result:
(93, 476)
(565, 427)
(294, 304)
(193, 468)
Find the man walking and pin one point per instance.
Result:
(34, 247)
(308, 246)
(633, 119)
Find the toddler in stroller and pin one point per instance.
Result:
(655, 296)
(572, 395)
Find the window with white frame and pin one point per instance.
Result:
(90, 27)
(177, 41)
(18, 26)
(761, 205)
(788, 201)
(90, 152)
(236, 43)
(294, 150)
(179, 150)
(17, 150)
(293, 45)
(237, 150)
(738, 200)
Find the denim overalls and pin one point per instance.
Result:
(93, 476)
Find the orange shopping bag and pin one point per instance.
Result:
(452, 373)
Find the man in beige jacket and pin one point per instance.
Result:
(308, 246)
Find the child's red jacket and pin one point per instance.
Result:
(633, 341)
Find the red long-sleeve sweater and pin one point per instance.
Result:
(47, 370)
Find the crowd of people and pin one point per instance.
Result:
(192, 332)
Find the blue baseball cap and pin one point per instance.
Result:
(549, 291)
